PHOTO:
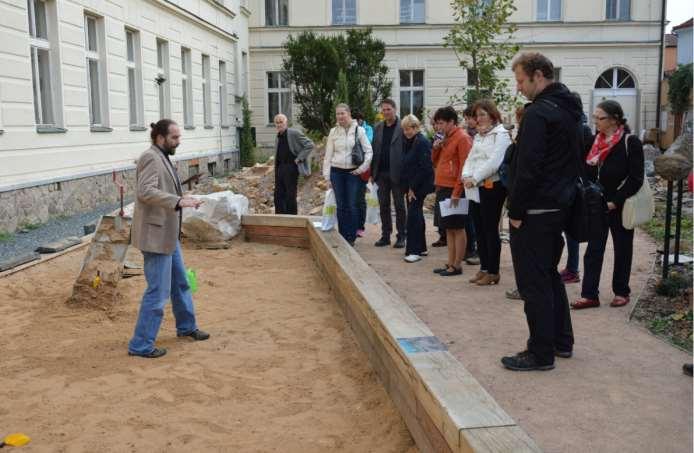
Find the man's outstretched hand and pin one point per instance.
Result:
(189, 202)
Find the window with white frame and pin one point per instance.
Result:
(94, 39)
(44, 64)
(133, 63)
(548, 10)
(412, 93)
(618, 10)
(223, 100)
(206, 99)
(162, 79)
(344, 12)
(187, 86)
(279, 96)
(276, 12)
(412, 11)
(557, 74)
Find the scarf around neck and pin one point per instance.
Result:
(602, 148)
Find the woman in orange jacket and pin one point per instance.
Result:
(448, 156)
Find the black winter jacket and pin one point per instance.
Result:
(417, 170)
(544, 166)
(621, 167)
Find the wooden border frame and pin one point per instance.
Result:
(444, 407)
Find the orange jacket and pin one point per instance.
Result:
(449, 159)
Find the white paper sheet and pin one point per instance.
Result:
(447, 210)
(473, 194)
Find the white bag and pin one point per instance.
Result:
(329, 211)
(639, 208)
(373, 210)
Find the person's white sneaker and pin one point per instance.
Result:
(413, 258)
(424, 253)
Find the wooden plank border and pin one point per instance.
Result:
(444, 407)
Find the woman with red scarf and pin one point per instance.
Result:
(616, 162)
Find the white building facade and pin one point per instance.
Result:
(601, 48)
(81, 80)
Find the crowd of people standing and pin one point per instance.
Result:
(479, 169)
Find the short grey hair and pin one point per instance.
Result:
(280, 116)
(344, 106)
(411, 121)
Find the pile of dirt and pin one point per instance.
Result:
(257, 183)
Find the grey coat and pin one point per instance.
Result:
(302, 148)
(395, 151)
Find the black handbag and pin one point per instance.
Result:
(357, 150)
(587, 211)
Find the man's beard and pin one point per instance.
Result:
(169, 151)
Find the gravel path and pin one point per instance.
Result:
(53, 230)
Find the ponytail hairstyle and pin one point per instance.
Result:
(614, 111)
(161, 127)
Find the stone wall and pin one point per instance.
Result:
(38, 204)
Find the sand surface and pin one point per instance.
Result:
(623, 391)
(282, 371)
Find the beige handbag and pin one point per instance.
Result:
(640, 207)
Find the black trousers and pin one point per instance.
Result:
(286, 180)
(416, 228)
(486, 215)
(386, 189)
(536, 249)
(623, 243)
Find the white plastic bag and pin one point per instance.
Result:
(329, 211)
(639, 208)
(373, 212)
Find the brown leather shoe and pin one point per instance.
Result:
(585, 303)
(477, 277)
(619, 301)
(489, 279)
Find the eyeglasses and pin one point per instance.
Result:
(599, 118)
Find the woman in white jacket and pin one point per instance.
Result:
(342, 173)
(481, 175)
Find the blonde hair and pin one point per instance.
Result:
(411, 121)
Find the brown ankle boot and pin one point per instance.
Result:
(489, 279)
(477, 277)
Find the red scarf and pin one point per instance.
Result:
(602, 148)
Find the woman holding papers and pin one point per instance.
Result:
(484, 189)
(417, 181)
(449, 157)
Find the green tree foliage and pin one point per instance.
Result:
(313, 64)
(482, 41)
(680, 88)
(247, 146)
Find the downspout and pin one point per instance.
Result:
(660, 68)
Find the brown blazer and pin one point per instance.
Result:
(156, 222)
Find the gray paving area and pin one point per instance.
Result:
(55, 229)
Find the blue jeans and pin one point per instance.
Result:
(572, 254)
(346, 187)
(166, 278)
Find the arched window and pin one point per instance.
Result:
(615, 78)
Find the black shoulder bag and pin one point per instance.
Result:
(357, 150)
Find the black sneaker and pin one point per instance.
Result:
(383, 242)
(399, 243)
(197, 335)
(153, 354)
(563, 354)
(440, 243)
(525, 361)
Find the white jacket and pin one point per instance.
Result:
(486, 155)
(338, 149)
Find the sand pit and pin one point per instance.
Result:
(282, 371)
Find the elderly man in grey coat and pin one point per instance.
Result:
(292, 153)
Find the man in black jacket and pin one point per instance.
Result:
(385, 171)
(542, 185)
